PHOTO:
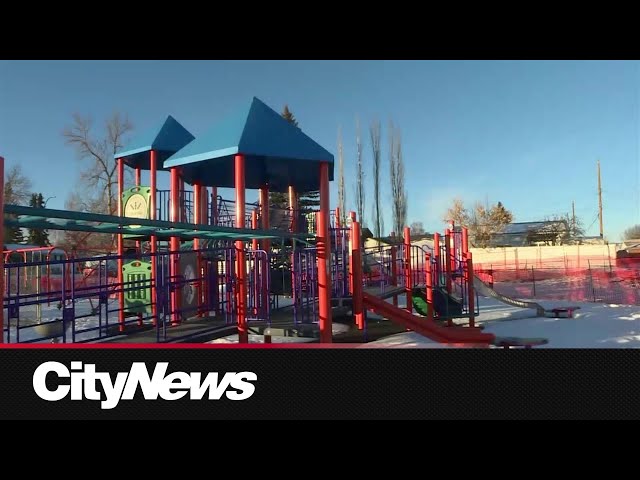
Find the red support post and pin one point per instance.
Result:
(256, 264)
(437, 257)
(2, 256)
(407, 269)
(394, 272)
(197, 210)
(338, 225)
(323, 246)
(263, 199)
(241, 266)
(153, 167)
(138, 244)
(183, 201)
(455, 249)
(472, 298)
(197, 220)
(174, 269)
(447, 261)
(357, 302)
(264, 214)
(465, 241)
(204, 217)
(254, 225)
(120, 247)
(214, 205)
(428, 286)
(293, 209)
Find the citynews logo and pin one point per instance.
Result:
(174, 386)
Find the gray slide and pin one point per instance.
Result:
(484, 289)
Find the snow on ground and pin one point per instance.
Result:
(594, 325)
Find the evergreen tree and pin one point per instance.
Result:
(16, 192)
(280, 200)
(288, 116)
(13, 235)
(38, 236)
(307, 201)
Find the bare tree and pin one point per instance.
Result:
(97, 191)
(84, 243)
(632, 233)
(342, 194)
(375, 133)
(100, 177)
(398, 192)
(417, 228)
(458, 213)
(483, 223)
(360, 187)
(17, 187)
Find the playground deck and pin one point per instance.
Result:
(193, 330)
(384, 292)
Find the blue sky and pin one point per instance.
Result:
(527, 133)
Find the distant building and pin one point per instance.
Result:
(524, 234)
(629, 253)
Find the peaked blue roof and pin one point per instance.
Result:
(166, 139)
(277, 153)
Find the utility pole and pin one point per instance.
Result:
(600, 201)
(573, 217)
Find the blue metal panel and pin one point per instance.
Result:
(277, 153)
(166, 139)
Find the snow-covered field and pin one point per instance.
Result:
(594, 325)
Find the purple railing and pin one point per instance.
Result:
(81, 306)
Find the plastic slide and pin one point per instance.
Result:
(426, 327)
(419, 300)
(484, 289)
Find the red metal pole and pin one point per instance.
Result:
(357, 302)
(256, 263)
(183, 201)
(465, 241)
(264, 214)
(338, 217)
(447, 254)
(241, 266)
(428, 286)
(472, 299)
(197, 211)
(138, 245)
(254, 225)
(174, 245)
(2, 256)
(120, 246)
(214, 205)
(204, 219)
(437, 257)
(153, 167)
(197, 220)
(407, 269)
(293, 209)
(323, 246)
(394, 272)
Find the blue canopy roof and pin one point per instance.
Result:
(166, 139)
(277, 153)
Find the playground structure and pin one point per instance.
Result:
(190, 265)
